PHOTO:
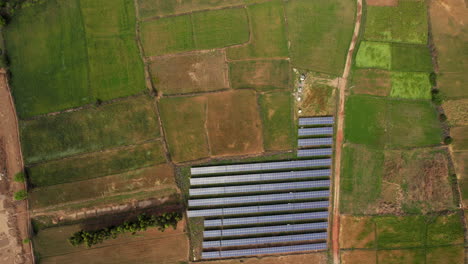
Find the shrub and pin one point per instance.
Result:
(26, 241)
(448, 140)
(19, 177)
(442, 117)
(433, 79)
(20, 195)
(436, 97)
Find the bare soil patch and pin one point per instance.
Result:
(260, 74)
(371, 81)
(456, 111)
(190, 72)
(318, 96)
(316, 258)
(357, 232)
(233, 123)
(358, 257)
(382, 2)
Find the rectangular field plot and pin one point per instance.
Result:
(121, 123)
(411, 85)
(268, 33)
(220, 28)
(153, 8)
(401, 256)
(405, 23)
(277, 121)
(393, 231)
(371, 82)
(261, 75)
(320, 33)
(192, 72)
(445, 230)
(374, 55)
(185, 128)
(264, 240)
(96, 164)
(411, 58)
(42, 81)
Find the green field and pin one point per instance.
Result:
(121, 123)
(411, 85)
(411, 58)
(185, 128)
(320, 33)
(96, 164)
(220, 28)
(277, 120)
(445, 230)
(268, 33)
(152, 8)
(374, 55)
(405, 23)
(261, 75)
(393, 231)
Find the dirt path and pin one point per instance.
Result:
(14, 217)
(339, 138)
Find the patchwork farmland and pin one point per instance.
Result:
(130, 109)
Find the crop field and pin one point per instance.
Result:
(460, 160)
(268, 33)
(121, 123)
(456, 112)
(358, 257)
(190, 72)
(412, 58)
(404, 23)
(371, 82)
(320, 33)
(460, 141)
(261, 75)
(411, 85)
(401, 256)
(96, 164)
(357, 232)
(278, 129)
(374, 55)
(185, 128)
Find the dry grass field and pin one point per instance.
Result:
(371, 82)
(359, 257)
(357, 232)
(262, 75)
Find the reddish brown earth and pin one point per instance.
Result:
(14, 218)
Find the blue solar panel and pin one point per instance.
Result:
(311, 121)
(265, 219)
(265, 166)
(260, 177)
(264, 240)
(259, 188)
(264, 230)
(311, 142)
(315, 131)
(314, 152)
(257, 209)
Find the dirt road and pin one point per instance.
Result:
(14, 218)
(339, 138)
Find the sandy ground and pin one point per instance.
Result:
(13, 215)
(339, 138)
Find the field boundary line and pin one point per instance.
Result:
(260, 59)
(342, 82)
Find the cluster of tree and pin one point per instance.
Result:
(90, 238)
(8, 7)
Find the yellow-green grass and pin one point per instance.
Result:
(96, 164)
(405, 23)
(398, 231)
(167, 35)
(268, 33)
(159, 177)
(220, 28)
(361, 180)
(124, 122)
(184, 121)
(371, 82)
(460, 139)
(445, 255)
(415, 256)
(261, 75)
(411, 58)
(445, 230)
(411, 85)
(320, 33)
(374, 55)
(391, 123)
(277, 121)
(190, 72)
(47, 47)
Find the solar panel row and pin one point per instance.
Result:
(314, 152)
(265, 230)
(264, 240)
(257, 209)
(265, 219)
(310, 121)
(315, 131)
(263, 251)
(265, 166)
(311, 142)
(290, 175)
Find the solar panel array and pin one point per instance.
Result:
(267, 207)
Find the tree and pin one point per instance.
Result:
(448, 140)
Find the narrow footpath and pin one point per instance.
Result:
(339, 137)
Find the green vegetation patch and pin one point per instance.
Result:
(184, 124)
(411, 58)
(260, 75)
(96, 164)
(121, 123)
(447, 254)
(395, 232)
(153, 8)
(415, 256)
(268, 33)
(371, 82)
(445, 230)
(277, 121)
(320, 33)
(47, 47)
(411, 85)
(460, 140)
(220, 28)
(167, 35)
(406, 22)
(361, 180)
(374, 55)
